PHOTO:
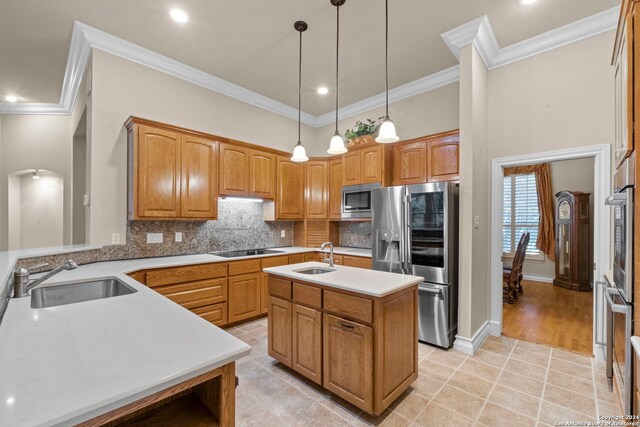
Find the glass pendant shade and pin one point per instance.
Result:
(387, 133)
(299, 154)
(337, 145)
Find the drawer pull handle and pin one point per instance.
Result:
(346, 325)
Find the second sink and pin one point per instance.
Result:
(52, 296)
(315, 270)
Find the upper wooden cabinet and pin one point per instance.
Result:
(234, 170)
(289, 203)
(262, 174)
(317, 189)
(172, 173)
(365, 164)
(410, 163)
(335, 188)
(428, 159)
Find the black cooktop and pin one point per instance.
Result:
(250, 252)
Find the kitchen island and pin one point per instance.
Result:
(352, 331)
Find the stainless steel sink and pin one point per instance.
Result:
(71, 293)
(315, 270)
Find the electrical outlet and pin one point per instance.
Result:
(178, 236)
(115, 238)
(283, 234)
(154, 237)
(476, 221)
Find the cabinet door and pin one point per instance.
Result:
(335, 189)
(351, 162)
(158, 173)
(371, 164)
(244, 296)
(234, 170)
(317, 190)
(199, 178)
(307, 342)
(444, 161)
(279, 339)
(410, 163)
(290, 201)
(348, 361)
(262, 174)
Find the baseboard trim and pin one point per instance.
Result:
(471, 346)
(538, 278)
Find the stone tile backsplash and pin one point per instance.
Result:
(355, 234)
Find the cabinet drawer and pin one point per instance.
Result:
(216, 313)
(349, 306)
(196, 294)
(296, 259)
(338, 259)
(310, 257)
(243, 267)
(307, 295)
(279, 288)
(192, 273)
(274, 261)
(138, 276)
(359, 262)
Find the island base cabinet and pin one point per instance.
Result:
(348, 361)
(307, 342)
(280, 346)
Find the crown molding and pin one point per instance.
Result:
(479, 32)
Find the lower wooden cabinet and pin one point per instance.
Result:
(216, 313)
(280, 343)
(244, 296)
(264, 293)
(348, 361)
(356, 261)
(307, 342)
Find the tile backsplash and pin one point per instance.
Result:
(355, 234)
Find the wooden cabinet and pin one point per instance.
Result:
(244, 296)
(335, 188)
(172, 173)
(289, 202)
(262, 174)
(356, 261)
(365, 164)
(335, 338)
(410, 163)
(307, 342)
(348, 361)
(280, 340)
(351, 161)
(444, 160)
(199, 178)
(234, 170)
(317, 190)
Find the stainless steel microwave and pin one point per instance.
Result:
(356, 200)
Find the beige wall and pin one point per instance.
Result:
(122, 88)
(34, 142)
(424, 114)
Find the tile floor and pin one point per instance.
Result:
(508, 382)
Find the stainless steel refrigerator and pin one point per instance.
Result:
(415, 231)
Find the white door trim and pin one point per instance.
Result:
(601, 236)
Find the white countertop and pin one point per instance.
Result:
(66, 364)
(367, 282)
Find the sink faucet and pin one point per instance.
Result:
(330, 259)
(22, 285)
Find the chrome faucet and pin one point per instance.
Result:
(330, 259)
(21, 283)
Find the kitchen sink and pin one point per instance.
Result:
(315, 270)
(71, 293)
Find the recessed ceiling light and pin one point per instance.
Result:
(179, 15)
(528, 2)
(322, 90)
(11, 98)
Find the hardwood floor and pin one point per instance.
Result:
(550, 315)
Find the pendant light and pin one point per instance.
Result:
(299, 153)
(336, 145)
(387, 131)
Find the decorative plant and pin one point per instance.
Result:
(363, 128)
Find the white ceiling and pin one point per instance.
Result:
(252, 43)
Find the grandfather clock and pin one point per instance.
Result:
(573, 269)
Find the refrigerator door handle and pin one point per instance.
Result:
(407, 232)
(403, 255)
